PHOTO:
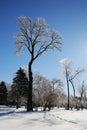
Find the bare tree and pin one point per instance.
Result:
(67, 71)
(38, 93)
(37, 38)
(56, 83)
(57, 90)
(74, 76)
(42, 89)
(82, 91)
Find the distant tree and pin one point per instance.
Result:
(56, 83)
(57, 90)
(37, 38)
(82, 91)
(67, 71)
(74, 76)
(19, 86)
(47, 93)
(3, 93)
(37, 89)
(41, 90)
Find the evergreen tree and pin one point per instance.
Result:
(3, 93)
(19, 86)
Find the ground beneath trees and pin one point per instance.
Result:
(57, 119)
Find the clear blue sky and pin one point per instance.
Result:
(69, 17)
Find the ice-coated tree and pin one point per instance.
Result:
(37, 38)
(56, 83)
(82, 92)
(74, 76)
(67, 71)
(42, 90)
(57, 90)
(37, 89)
(47, 93)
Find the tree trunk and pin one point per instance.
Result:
(68, 105)
(30, 87)
(73, 88)
(67, 80)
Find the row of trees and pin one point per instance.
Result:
(46, 93)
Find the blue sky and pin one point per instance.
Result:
(68, 17)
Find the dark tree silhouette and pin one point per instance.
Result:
(3, 93)
(37, 38)
(19, 85)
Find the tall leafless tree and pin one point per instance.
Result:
(82, 92)
(73, 77)
(37, 38)
(67, 71)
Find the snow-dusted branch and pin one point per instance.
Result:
(36, 37)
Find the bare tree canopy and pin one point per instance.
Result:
(36, 36)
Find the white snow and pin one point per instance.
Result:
(57, 119)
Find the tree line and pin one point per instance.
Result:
(46, 93)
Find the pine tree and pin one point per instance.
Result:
(3, 93)
(19, 86)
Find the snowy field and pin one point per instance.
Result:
(57, 119)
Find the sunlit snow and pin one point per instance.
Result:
(57, 119)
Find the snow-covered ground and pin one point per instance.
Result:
(57, 119)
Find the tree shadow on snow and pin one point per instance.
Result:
(6, 113)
